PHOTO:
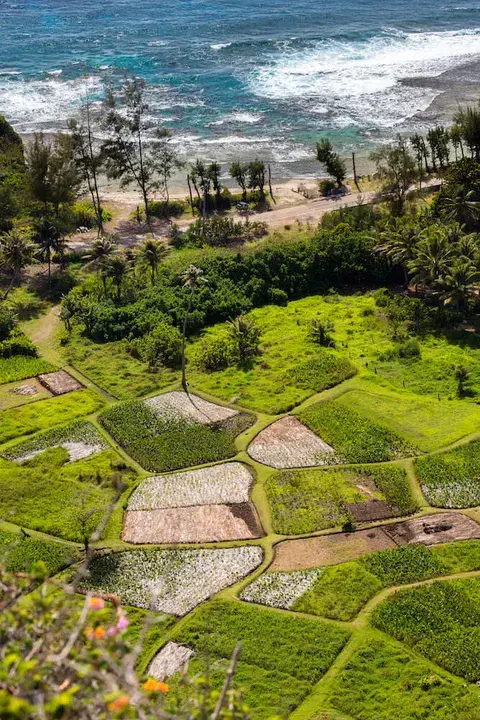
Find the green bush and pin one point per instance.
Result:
(278, 297)
(320, 332)
(214, 353)
(17, 344)
(451, 480)
(323, 371)
(353, 436)
(161, 347)
(401, 565)
(166, 210)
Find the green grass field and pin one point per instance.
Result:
(281, 658)
(303, 501)
(44, 414)
(113, 369)
(382, 681)
(440, 621)
(19, 552)
(48, 495)
(20, 367)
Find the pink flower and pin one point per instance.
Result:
(122, 622)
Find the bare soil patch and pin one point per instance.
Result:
(169, 660)
(174, 405)
(60, 382)
(287, 443)
(196, 524)
(329, 549)
(22, 392)
(434, 529)
(370, 511)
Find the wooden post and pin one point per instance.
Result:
(355, 177)
(270, 183)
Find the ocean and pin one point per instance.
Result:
(244, 78)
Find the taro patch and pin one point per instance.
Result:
(171, 581)
(289, 444)
(162, 435)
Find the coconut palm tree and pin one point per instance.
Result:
(49, 240)
(101, 249)
(16, 252)
(116, 267)
(398, 243)
(192, 277)
(459, 284)
(432, 255)
(463, 207)
(151, 254)
(246, 336)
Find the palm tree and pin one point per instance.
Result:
(431, 257)
(116, 267)
(151, 254)
(463, 207)
(246, 335)
(459, 284)
(468, 119)
(102, 248)
(16, 252)
(398, 243)
(49, 239)
(191, 277)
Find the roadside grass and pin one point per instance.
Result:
(44, 414)
(304, 501)
(18, 552)
(282, 656)
(452, 479)
(440, 621)
(402, 422)
(20, 367)
(47, 495)
(382, 680)
(113, 369)
(160, 445)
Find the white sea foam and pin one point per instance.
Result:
(220, 46)
(45, 103)
(239, 118)
(362, 78)
(54, 73)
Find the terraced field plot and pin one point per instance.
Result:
(303, 501)
(440, 621)
(375, 426)
(174, 431)
(80, 439)
(171, 581)
(451, 480)
(282, 656)
(289, 444)
(22, 392)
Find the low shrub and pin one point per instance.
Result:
(320, 332)
(214, 353)
(166, 210)
(161, 347)
(323, 371)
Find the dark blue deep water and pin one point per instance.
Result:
(240, 77)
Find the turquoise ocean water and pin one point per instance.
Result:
(239, 78)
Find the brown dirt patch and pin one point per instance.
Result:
(195, 524)
(434, 529)
(287, 443)
(329, 549)
(60, 382)
(370, 511)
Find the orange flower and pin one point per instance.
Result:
(97, 633)
(96, 603)
(121, 702)
(154, 686)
